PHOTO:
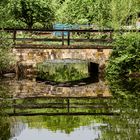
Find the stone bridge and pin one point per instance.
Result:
(32, 46)
(32, 56)
(37, 45)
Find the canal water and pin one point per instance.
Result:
(95, 110)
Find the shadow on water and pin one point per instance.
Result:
(81, 82)
(106, 118)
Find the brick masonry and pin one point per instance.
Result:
(30, 56)
(31, 88)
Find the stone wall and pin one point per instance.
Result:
(33, 56)
(32, 88)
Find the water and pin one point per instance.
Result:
(92, 111)
(65, 61)
(83, 132)
(63, 70)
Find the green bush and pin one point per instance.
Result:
(125, 57)
(6, 57)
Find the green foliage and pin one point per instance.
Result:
(6, 57)
(33, 11)
(114, 14)
(125, 57)
(3, 14)
(107, 13)
(123, 12)
(83, 11)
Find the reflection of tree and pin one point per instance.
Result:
(62, 72)
(65, 124)
(7, 125)
(126, 88)
(16, 128)
(127, 102)
(4, 128)
(4, 122)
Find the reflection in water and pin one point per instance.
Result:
(4, 121)
(63, 70)
(127, 95)
(83, 112)
(83, 132)
(4, 127)
(31, 88)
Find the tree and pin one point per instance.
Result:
(85, 12)
(125, 57)
(104, 13)
(4, 12)
(72, 12)
(33, 11)
(123, 12)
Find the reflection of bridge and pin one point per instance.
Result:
(53, 106)
(31, 88)
(30, 98)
